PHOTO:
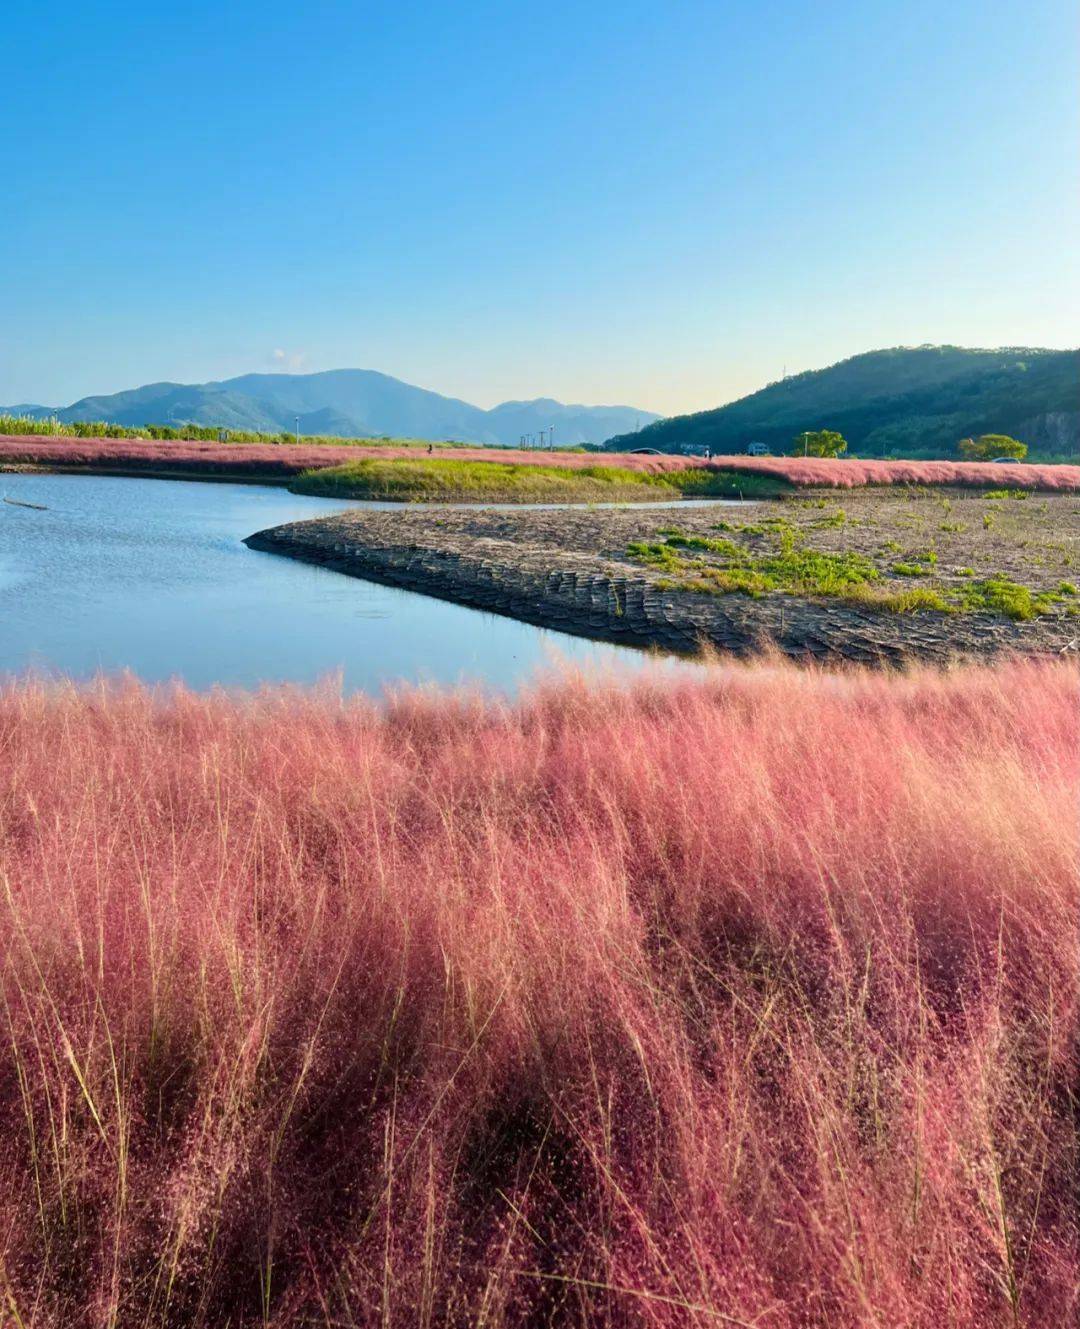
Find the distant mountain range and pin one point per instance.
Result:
(908, 402)
(349, 403)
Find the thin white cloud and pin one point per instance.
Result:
(288, 360)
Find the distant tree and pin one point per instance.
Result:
(988, 446)
(819, 443)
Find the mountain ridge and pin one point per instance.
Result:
(346, 403)
(899, 401)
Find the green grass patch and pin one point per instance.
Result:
(765, 526)
(656, 554)
(734, 569)
(916, 600)
(918, 565)
(996, 495)
(834, 519)
(723, 567)
(727, 548)
(1000, 595)
(437, 479)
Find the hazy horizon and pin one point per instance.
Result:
(665, 210)
(485, 405)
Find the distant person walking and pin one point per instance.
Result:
(430, 448)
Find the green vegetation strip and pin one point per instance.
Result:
(724, 567)
(437, 479)
(33, 426)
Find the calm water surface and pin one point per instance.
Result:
(152, 576)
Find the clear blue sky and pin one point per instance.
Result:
(649, 201)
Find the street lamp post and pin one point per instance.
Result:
(298, 429)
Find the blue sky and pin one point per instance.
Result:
(659, 203)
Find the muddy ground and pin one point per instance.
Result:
(569, 569)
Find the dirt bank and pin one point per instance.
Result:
(571, 570)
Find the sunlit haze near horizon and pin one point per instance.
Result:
(660, 205)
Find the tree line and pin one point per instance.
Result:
(987, 447)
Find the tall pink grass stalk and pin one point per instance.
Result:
(744, 1000)
(284, 460)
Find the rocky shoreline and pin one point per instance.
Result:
(567, 570)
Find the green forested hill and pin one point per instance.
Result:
(905, 402)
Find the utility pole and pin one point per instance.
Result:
(541, 438)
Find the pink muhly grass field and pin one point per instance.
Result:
(285, 460)
(841, 473)
(747, 999)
